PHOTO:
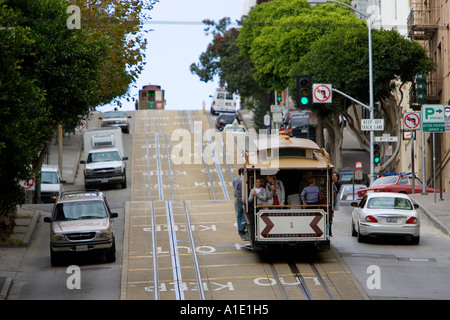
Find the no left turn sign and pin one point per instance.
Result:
(411, 121)
(322, 93)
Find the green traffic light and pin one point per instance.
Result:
(376, 160)
(304, 100)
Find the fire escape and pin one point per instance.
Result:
(422, 26)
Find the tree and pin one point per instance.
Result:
(122, 21)
(223, 59)
(276, 34)
(22, 113)
(341, 58)
(48, 75)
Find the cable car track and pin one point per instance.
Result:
(185, 257)
(172, 219)
(301, 279)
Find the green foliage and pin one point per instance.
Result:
(48, 75)
(275, 35)
(121, 21)
(341, 58)
(222, 58)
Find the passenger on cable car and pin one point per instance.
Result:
(311, 194)
(304, 183)
(259, 192)
(238, 204)
(276, 189)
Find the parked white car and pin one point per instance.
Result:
(51, 183)
(385, 214)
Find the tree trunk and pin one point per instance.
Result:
(7, 220)
(335, 138)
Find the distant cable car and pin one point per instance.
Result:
(151, 97)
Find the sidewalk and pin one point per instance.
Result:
(438, 212)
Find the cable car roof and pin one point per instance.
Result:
(293, 153)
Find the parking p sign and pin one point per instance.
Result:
(433, 118)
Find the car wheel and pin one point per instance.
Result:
(354, 233)
(361, 238)
(55, 258)
(123, 185)
(415, 240)
(111, 254)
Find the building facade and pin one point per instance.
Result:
(428, 23)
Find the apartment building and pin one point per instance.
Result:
(428, 23)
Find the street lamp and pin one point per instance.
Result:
(371, 107)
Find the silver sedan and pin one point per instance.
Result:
(385, 214)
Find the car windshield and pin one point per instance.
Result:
(49, 178)
(235, 129)
(389, 203)
(348, 189)
(103, 156)
(80, 210)
(228, 117)
(300, 120)
(346, 177)
(385, 180)
(350, 196)
(114, 114)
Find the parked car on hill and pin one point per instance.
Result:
(81, 222)
(385, 214)
(399, 183)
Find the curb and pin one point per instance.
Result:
(5, 289)
(435, 221)
(28, 235)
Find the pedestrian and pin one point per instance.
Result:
(238, 203)
(336, 185)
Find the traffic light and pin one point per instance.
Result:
(279, 97)
(376, 154)
(304, 91)
(421, 85)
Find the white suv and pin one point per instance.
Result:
(81, 222)
(51, 183)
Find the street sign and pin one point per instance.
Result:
(386, 139)
(277, 117)
(277, 108)
(322, 93)
(433, 118)
(267, 120)
(372, 124)
(27, 184)
(447, 118)
(411, 121)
